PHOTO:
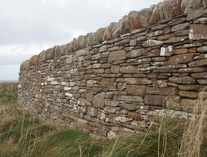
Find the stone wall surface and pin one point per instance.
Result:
(122, 78)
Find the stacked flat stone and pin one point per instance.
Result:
(123, 78)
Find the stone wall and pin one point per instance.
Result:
(8, 87)
(122, 78)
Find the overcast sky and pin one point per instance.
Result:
(29, 26)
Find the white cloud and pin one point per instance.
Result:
(9, 72)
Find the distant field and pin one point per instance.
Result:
(22, 135)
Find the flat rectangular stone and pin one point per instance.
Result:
(117, 55)
(198, 32)
(156, 100)
(162, 91)
(128, 98)
(136, 89)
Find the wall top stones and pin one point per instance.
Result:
(134, 22)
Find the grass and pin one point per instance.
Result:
(21, 135)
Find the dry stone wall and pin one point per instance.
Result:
(121, 82)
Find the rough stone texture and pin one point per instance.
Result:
(113, 81)
(198, 32)
(117, 55)
(98, 100)
(136, 90)
(157, 100)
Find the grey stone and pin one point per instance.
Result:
(183, 80)
(128, 98)
(202, 49)
(195, 14)
(117, 55)
(98, 100)
(91, 111)
(192, 5)
(135, 53)
(180, 27)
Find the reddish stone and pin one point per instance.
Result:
(180, 51)
(184, 58)
(136, 90)
(134, 116)
(155, 52)
(177, 7)
(198, 32)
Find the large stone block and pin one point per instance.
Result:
(157, 100)
(135, 53)
(117, 55)
(183, 58)
(201, 62)
(136, 90)
(198, 32)
(98, 100)
(183, 80)
(107, 82)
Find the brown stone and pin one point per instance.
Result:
(199, 75)
(98, 100)
(188, 94)
(128, 70)
(136, 90)
(107, 82)
(183, 80)
(183, 58)
(134, 116)
(202, 81)
(152, 53)
(198, 32)
(176, 6)
(189, 87)
(190, 70)
(157, 100)
(180, 51)
(130, 107)
(117, 55)
(162, 91)
(201, 62)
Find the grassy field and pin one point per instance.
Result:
(21, 135)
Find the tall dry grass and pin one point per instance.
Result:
(194, 137)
